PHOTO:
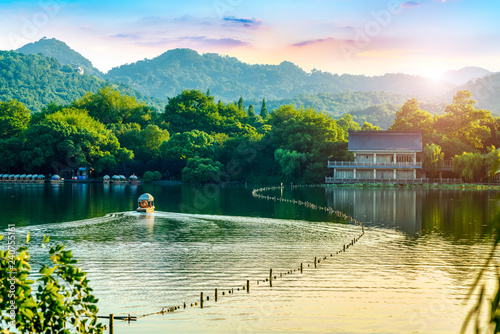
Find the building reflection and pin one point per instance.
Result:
(395, 208)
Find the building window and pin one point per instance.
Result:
(385, 174)
(344, 174)
(385, 159)
(364, 158)
(364, 174)
(404, 174)
(404, 158)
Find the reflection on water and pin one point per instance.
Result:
(408, 274)
(455, 214)
(401, 208)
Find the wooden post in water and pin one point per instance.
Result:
(315, 262)
(111, 320)
(271, 277)
(301, 268)
(248, 286)
(215, 294)
(201, 300)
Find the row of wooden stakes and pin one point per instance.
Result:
(217, 293)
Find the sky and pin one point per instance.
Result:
(370, 37)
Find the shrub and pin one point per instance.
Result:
(157, 175)
(148, 176)
(63, 302)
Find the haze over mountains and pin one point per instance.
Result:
(227, 78)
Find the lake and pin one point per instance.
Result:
(409, 273)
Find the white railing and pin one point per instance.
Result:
(373, 180)
(373, 164)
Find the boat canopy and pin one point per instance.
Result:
(105, 177)
(115, 177)
(41, 177)
(132, 177)
(146, 197)
(56, 177)
(122, 177)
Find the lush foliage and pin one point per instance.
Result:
(202, 170)
(14, 119)
(68, 138)
(433, 158)
(462, 127)
(470, 166)
(36, 81)
(228, 78)
(116, 134)
(62, 52)
(63, 301)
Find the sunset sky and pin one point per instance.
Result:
(425, 37)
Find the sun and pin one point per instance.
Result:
(432, 70)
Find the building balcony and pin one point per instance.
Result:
(370, 164)
(390, 180)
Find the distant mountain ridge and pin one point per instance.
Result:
(464, 75)
(62, 52)
(228, 78)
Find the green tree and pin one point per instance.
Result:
(470, 166)
(290, 162)
(10, 149)
(492, 162)
(241, 103)
(157, 175)
(110, 106)
(251, 111)
(14, 119)
(63, 301)
(192, 110)
(71, 137)
(464, 122)
(433, 158)
(152, 138)
(304, 131)
(148, 176)
(264, 113)
(188, 145)
(370, 127)
(410, 117)
(347, 124)
(201, 170)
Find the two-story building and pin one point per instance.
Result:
(380, 156)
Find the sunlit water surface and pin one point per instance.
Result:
(409, 273)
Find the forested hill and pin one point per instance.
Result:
(338, 104)
(486, 91)
(228, 78)
(36, 81)
(62, 52)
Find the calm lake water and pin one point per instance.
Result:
(409, 273)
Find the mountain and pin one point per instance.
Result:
(486, 91)
(62, 52)
(228, 78)
(36, 81)
(338, 104)
(464, 75)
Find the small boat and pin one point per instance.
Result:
(55, 179)
(105, 179)
(146, 203)
(133, 179)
